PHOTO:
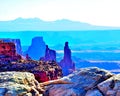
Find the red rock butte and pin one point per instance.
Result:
(8, 49)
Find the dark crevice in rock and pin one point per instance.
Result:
(95, 86)
(112, 84)
(101, 80)
(101, 92)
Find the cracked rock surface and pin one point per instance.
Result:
(90, 81)
(85, 83)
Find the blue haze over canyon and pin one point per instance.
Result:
(87, 42)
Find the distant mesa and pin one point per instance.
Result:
(37, 48)
(66, 63)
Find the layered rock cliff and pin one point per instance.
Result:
(37, 48)
(66, 63)
(16, 42)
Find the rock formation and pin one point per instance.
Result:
(16, 42)
(111, 86)
(90, 81)
(42, 70)
(87, 82)
(23, 84)
(37, 48)
(7, 49)
(8, 52)
(66, 63)
(18, 46)
(18, 84)
(50, 55)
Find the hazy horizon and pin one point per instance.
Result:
(100, 13)
(62, 19)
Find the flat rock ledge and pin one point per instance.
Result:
(90, 81)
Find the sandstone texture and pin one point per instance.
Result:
(90, 81)
(87, 82)
(42, 70)
(19, 84)
(23, 84)
(17, 43)
(110, 87)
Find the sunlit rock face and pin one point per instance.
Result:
(7, 49)
(16, 42)
(19, 84)
(66, 63)
(43, 71)
(37, 48)
(85, 82)
(8, 52)
(90, 81)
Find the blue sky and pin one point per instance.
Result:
(96, 12)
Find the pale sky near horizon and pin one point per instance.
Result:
(96, 12)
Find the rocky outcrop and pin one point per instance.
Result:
(50, 55)
(8, 52)
(7, 49)
(111, 87)
(66, 63)
(83, 82)
(23, 84)
(16, 42)
(37, 48)
(42, 70)
(86, 82)
(18, 84)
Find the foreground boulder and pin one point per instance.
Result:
(23, 84)
(18, 84)
(111, 87)
(85, 83)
